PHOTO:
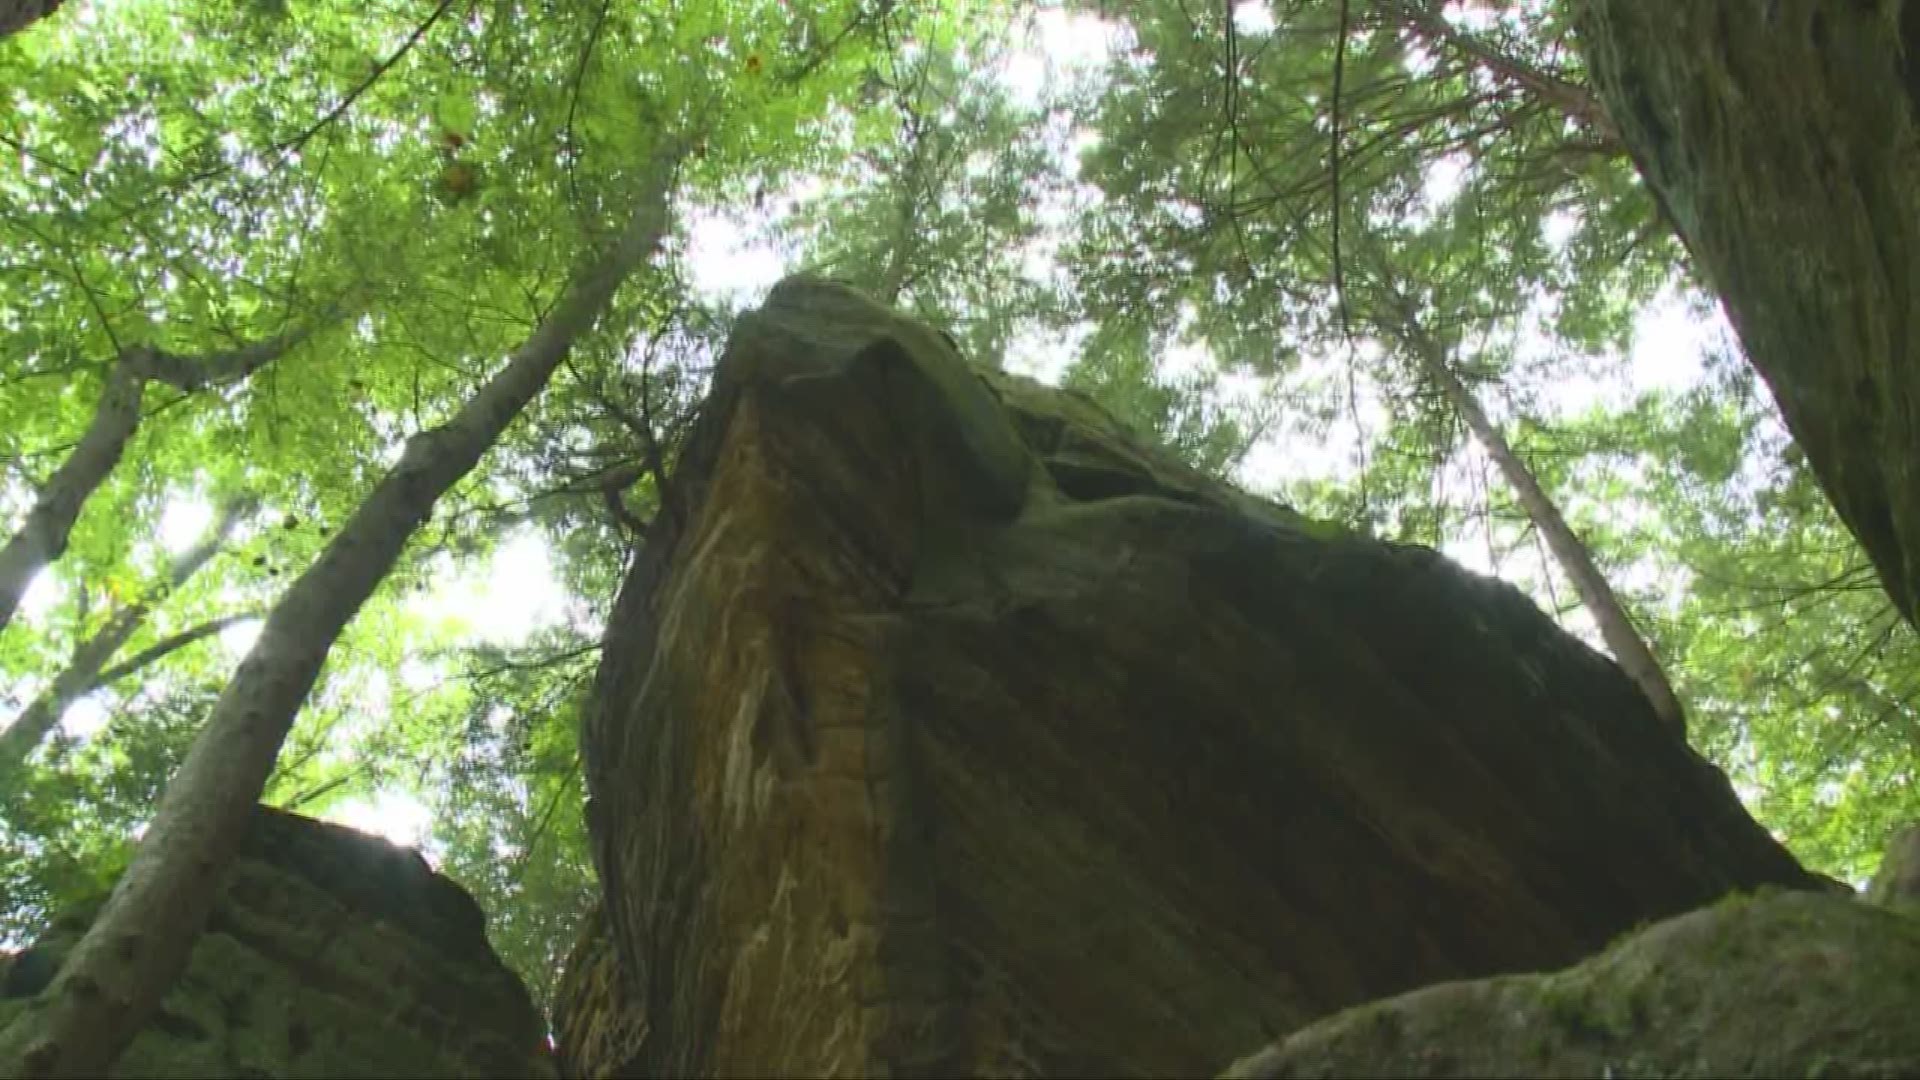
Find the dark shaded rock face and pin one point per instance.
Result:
(942, 729)
(331, 953)
(1784, 985)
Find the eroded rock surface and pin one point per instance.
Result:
(943, 729)
(1783, 985)
(331, 953)
(596, 1023)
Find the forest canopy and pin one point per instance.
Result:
(1388, 261)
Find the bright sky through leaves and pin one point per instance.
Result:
(1054, 183)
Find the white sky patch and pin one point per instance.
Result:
(238, 639)
(1559, 228)
(417, 676)
(1671, 336)
(1291, 450)
(1253, 17)
(1043, 355)
(1055, 44)
(85, 718)
(389, 813)
(184, 522)
(515, 596)
(727, 262)
(1183, 360)
(1442, 182)
(1471, 16)
(44, 593)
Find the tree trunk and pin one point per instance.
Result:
(43, 535)
(1782, 139)
(1616, 627)
(17, 15)
(899, 264)
(1629, 648)
(83, 672)
(135, 949)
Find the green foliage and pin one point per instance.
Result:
(934, 193)
(1800, 673)
(1117, 368)
(418, 179)
(422, 177)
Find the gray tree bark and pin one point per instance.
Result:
(84, 671)
(42, 537)
(1395, 315)
(1624, 640)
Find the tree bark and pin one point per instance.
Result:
(898, 269)
(43, 536)
(17, 15)
(83, 672)
(117, 974)
(1782, 139)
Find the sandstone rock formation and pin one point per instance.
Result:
(594, 1019)
(942, 728)
(331, 954)
(1784, 985)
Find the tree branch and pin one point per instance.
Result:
(167, 646)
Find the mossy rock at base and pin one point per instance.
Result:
(330, 953)
(1777, 985)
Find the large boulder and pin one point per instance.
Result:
(330, 953)
(943, 728)
(1784, 985)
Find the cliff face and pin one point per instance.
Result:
(1782, 139)
(943, 729)
(331, 953)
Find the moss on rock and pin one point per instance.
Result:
(1768, 985)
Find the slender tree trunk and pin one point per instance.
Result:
(899, 268)
(83, 672)
(899, 265)
(137, 946)
(42, 537)
(17, 15)
(1784, 138)
(1629, 648)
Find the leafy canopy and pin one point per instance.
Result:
(1214, 228)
